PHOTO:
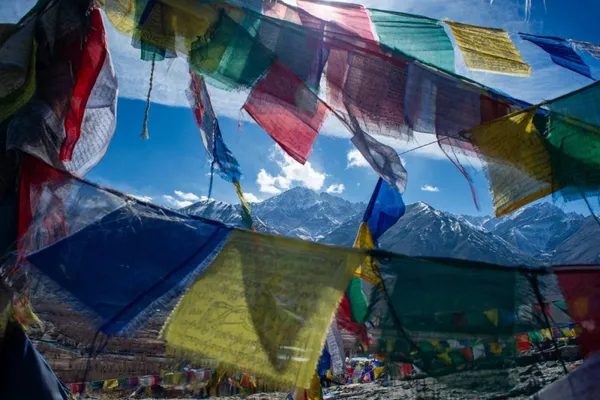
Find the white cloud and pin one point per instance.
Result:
(336, 188)
(251, 197)
(146, 199)
(429, 188)
(187, 196)
(291, 173)
(355, 159)
(182, 199)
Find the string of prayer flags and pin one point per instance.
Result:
(591, 48)
(561, 52)
(270, 304)
(114, 243)
(488, 50)
(420, 37)
(543, 153)
(385, 208)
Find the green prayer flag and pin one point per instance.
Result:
(421, 37)
(358, 300)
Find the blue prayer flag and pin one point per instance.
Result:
(24, 374)
(561, 53)
(385, 208)
(131, 260)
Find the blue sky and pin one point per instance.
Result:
(171, 167)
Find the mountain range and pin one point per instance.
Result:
(538, 234)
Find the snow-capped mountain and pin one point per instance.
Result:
(537, 234)
(299, 212)
(537, 229)
(425, 231)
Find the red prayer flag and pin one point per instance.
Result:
(287, 110)
(90, 65)
(353, 17)
(406, 369)
(581, 290)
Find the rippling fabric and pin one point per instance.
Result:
(119, 258)
(488, 49)
(270, 303)
(561, 53)
(421, 37)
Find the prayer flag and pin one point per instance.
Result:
(518, 163)
(270, 306)
(385, 208)
(561, 52)
(420, 37)
(113, 243)
(24, 374)
(492, 316)
(591, 48)
(71, 120)
(287, 110)
(17, 67)
(223, 160)
(91, 63)
(111, 384)
(382, 158)
(580, 287)
(335, 345)
(488, 50)
(352, 17)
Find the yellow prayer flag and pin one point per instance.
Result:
(445, 358)
(368, 269)
(488, 49)
(17, 67)
(568, 332)
(315, 392)
(264, 305)
(110, 384)
(518, 164)
(178, 378)
(495, 348)
(492, 315)
(378, 371)
(547, 333)
(171, 24)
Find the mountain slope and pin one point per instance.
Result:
(582, 247)
(535, 235)
(425, 231)
(536, 229)
(226, 213)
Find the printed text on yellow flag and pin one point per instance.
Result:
(518, 164)
(264, 305)
(487, 49)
